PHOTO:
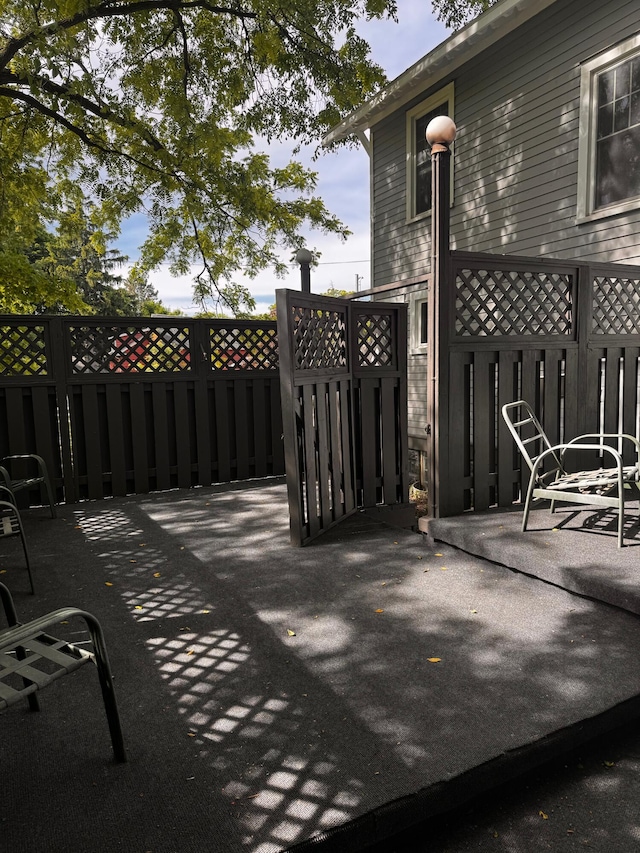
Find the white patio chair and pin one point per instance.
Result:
(601, 487)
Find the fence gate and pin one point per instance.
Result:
(343, 385)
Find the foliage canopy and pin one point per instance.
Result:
(156, 105)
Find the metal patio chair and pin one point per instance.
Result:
(550, 477)
(11, 525)
(31, 659)
(23, 471)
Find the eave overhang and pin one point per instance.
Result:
(441, 62)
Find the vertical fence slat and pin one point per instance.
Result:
(240, 392)
(222, 414)
(309, 419)
(457, 434)
(161, 435)
(323, 444)
(507, 393)
(369, 459)
(139, 438)
(91, 423)
(117, 446)
(183, 435)
(345, 406)
(389, 432)
(571, 385)
(260, 428)
(630, 401)
(482, 434)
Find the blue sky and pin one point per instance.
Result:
(343, 180)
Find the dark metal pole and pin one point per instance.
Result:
(441, 132)
(304, 258)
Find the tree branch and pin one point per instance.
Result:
(77, 131)
(110, 9)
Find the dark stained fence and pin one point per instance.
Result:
(131, 405)
(563, 335)
(344, 391)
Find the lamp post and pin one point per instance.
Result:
(441, 132)
(304, 258)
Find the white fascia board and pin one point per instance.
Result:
(459, 48)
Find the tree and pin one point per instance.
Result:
(156, 106)
(455, 13)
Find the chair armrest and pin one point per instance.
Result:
(38, 460)
(600, 435)
(20, 632)
(558, 450)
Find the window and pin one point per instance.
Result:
(609, 153)
(418, 318)
(419, 152)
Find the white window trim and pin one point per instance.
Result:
(426, 106)
(416, 301)
(586, 143)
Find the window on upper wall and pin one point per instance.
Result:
(419, 152)
(609, 151)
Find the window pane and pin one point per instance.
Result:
(423, 322)
(605, 121)
(635, 108)
(618, 167)
(623, 79)
(621, 114)
(605, 88)
(635, 75)
(423, 159)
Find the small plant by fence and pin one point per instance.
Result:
(121, 406)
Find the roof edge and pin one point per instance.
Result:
(460, 47)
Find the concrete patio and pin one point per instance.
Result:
(276, 698)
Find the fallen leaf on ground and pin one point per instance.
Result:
(543, 815)
(438, 555)
(380, 610)
(108, 583)
(434, 660)
(290, 633)
(156, 574)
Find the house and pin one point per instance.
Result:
(546, 98)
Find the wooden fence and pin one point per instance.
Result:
(344, 390)
(563, 335)
(131, 405)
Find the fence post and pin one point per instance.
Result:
(441, 131)
(60, 361)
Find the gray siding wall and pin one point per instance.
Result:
(516, 156)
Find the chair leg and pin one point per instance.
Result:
(621, 518)
(106, 685)
(527, 503)
(52, 506)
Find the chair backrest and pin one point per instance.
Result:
(529, 435)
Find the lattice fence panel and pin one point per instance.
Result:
(319, 339)
(499, 302)
(237, 348)
(375, 340)
(129, 349)
(616, 306)
(23, 351)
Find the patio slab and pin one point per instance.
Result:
(576, 549)
(276, 698)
